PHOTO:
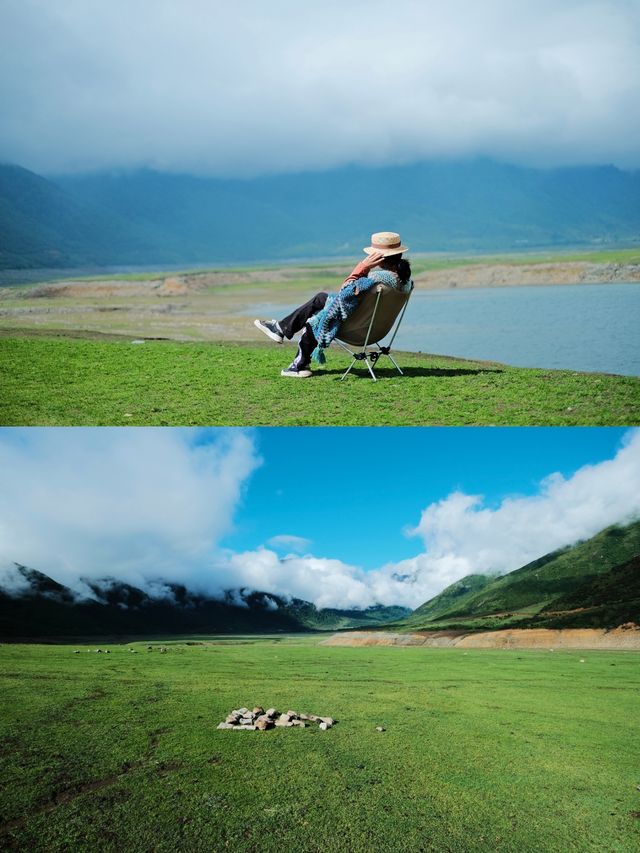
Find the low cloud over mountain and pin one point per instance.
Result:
(152, 507)
(239, 89)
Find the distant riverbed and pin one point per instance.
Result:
(584, 327)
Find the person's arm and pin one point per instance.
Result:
(360, 270)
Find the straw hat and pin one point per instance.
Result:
(386, 242)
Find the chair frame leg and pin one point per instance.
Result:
(363, 354)
(348, 370)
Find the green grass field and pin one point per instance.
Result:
(483, 750)
(109, 381)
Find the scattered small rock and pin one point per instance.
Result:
(380, 729)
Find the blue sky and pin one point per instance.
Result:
(391, 475)
(321, 514)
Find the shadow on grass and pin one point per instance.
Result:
(408, 372)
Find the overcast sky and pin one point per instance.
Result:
(150, 506)
(251, 87)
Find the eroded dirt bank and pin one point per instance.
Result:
(620, 639)
(511, 275)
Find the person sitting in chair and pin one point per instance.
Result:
(321, 317)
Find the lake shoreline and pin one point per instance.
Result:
(485, 325)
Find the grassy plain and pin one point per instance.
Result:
(110, 381)
(483, 750)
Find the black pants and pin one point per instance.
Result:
(297, 320)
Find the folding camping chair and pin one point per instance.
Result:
(373, 320)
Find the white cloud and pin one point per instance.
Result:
(462, 536)
(285, 541)
(136, 504)
(151, 506)
(12, 581)
(188, 85)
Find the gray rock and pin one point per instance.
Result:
(258, 710)
(380, 729)
(324, 726)
(328, 720)
(243, 711)
(225, 726)
(271, 712)
(244, 728)
(282, 724)
(232, 718)
(299, 723)
(284, 718)
(292, 715)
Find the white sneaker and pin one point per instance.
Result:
(296, 372)
(271, 329)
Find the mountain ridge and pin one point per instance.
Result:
(593, 581)
(42, 607)
(146, 217)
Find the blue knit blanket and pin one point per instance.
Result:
(339, 306)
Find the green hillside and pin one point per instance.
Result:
(42, 225)
(452, 599)
(591, 575)
(146, 217)
(606, 600)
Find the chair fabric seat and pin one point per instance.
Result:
(354, 330)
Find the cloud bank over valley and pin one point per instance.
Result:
(152, 507)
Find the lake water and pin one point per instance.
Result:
(585, 327)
